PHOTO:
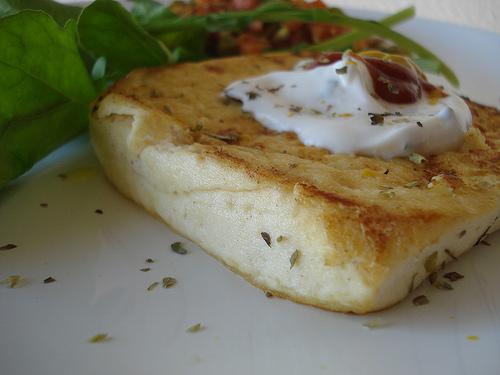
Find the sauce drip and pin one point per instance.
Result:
(394, 82)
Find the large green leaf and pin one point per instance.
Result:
(43, 80)
(107, 29)
(60, 12)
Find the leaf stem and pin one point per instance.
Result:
(346, 40)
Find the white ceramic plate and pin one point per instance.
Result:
(44, 328)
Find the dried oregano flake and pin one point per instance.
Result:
(433, 277)
(342, 70)
(225, 137)
(252, 95)
(12, 281)
(450, 254)
(453, 276)
(153, 286)
(99, 338)
(195, 328)
(178, 247)
(412, 283)
(196, 128)
(411, 184)
(442, 285)
(168, 282)
(167, 110)
(9, 246)
(420, 300)
(294, 258)
(375, 323)
(266, 238)
(482, 236)
(388, 194)
(49, 280)
(376, 119)
(274, 90)
(430, 264)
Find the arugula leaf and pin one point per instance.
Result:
(45, 89)
(345, 41)
(148, 12)
(188, 45)
(107, 29)
(280, 11)
(60, 12)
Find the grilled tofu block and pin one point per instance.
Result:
(341, 232)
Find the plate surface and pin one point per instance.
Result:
(96, 261)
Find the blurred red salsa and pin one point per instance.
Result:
(259, 36)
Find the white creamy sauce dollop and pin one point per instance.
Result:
(332, 106)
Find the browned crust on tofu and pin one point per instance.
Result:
(346, 190)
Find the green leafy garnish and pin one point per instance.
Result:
(107, 29)
(45, 89)
(61, 13)
(345, 41)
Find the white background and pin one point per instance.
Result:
(483, 14)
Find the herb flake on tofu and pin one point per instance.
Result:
(342, 70)
(266, 237)
(294, 258)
